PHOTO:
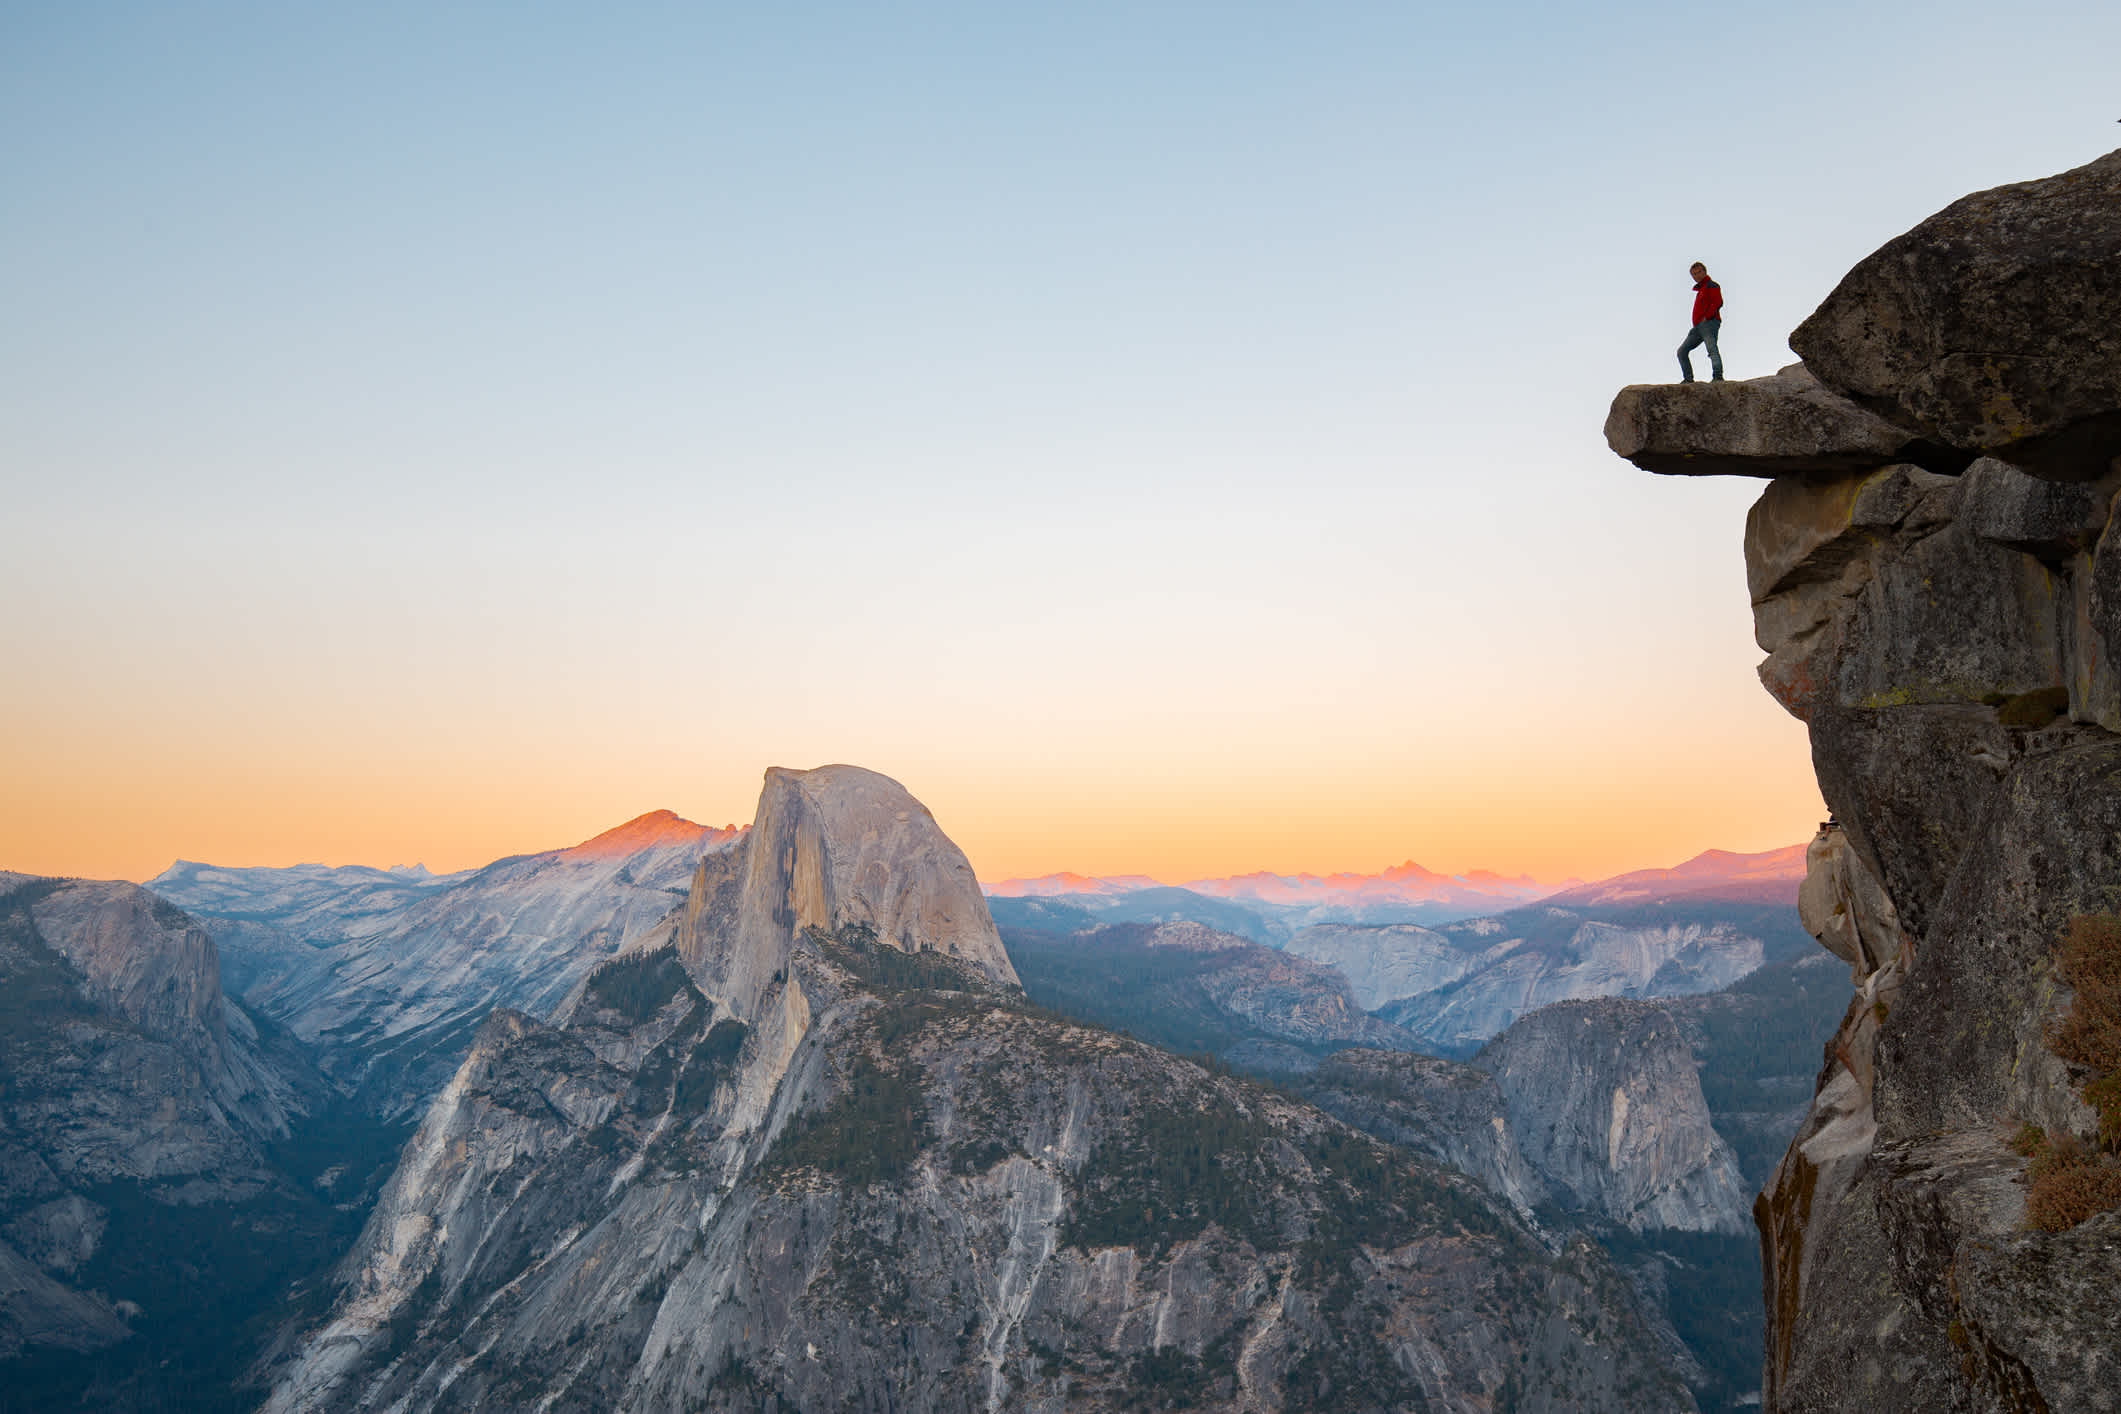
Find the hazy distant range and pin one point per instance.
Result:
(1272, 907)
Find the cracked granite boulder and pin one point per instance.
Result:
(1786, 424)
(1993, 326)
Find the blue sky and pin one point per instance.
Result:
(1153, 411)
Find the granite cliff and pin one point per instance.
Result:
(1945, 616)
(148, 1207)
(1592, 1109)
(812, 1149)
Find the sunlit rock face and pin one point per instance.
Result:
(1950, 640)
(814, 1150)
(1385, 964)
(830, 849)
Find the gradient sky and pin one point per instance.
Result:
(1164, 436)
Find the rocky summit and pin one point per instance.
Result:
(1945, 1230)
(830, 849)
(813, 1149)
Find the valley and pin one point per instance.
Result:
(643, 1052)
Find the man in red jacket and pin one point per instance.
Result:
(1708, 323)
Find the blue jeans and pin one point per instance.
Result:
(1703, 333)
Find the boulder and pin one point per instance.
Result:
(2045, 518)
(1844, 907)
(1902, 587)
(1993, 326)
(1781, 425)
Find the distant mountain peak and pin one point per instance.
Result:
(1772, 876)
(1067, 882)
(832, 848)
(655, 830)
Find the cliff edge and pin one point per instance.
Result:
(1936, 580)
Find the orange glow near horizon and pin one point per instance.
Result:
(424, 696)
(130, 816)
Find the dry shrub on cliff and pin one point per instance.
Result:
(2068, 1187)
(2068, 1182)
(2090, 1033)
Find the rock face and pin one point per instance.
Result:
(897, 1186)
(1447, 1110)
(125, 1074)
(1786, 424)
(1386, 964)
(146, 1070)
(388, 973)
(1951, 642)
(1994, 326)
(1848, 578)
(1536, 957)
(834, 848)
(1605, 1101)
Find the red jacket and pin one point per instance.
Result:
(1708, 300)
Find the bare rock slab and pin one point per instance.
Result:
(1782, 425)
(1994, 326)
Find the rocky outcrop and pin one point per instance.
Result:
(388, 973)
(1844, 906)
(1848, 578)
(1786, 424)
(126, 1078)
(1993, 327)
(831, 849)
(897, 1185)
(1605, 1102)
(1950, 642)
(126, 1059)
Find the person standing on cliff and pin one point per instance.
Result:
(1708, 323)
